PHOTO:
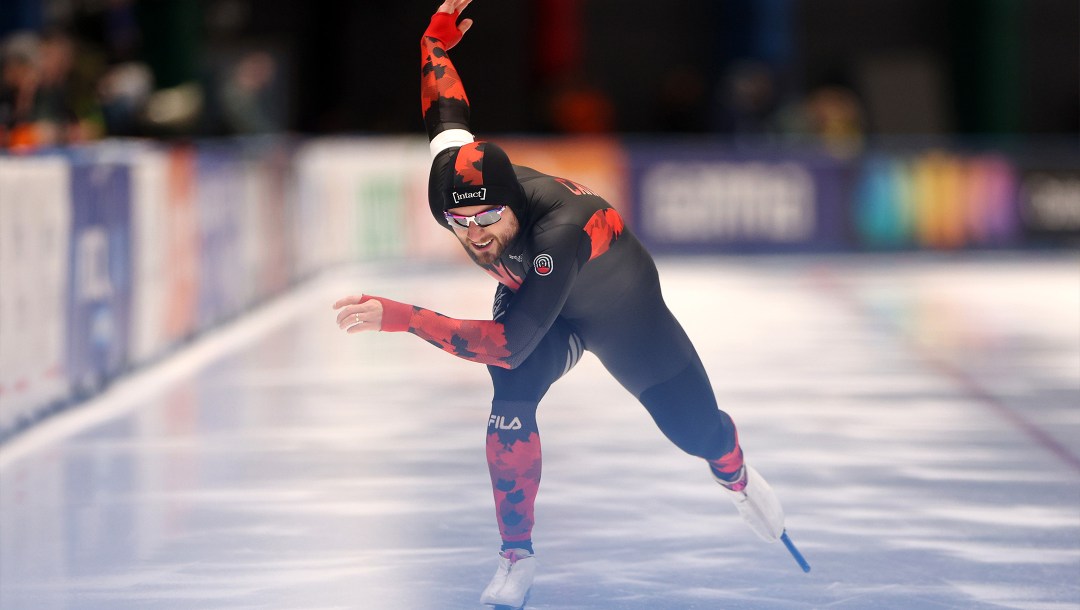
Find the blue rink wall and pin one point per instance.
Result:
(113, 255)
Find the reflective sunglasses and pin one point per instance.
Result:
(483, 219)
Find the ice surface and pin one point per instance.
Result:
(918, 415)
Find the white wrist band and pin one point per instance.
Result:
(449, 139)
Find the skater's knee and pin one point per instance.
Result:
(685, 410)
(558, 352)
(706, 443)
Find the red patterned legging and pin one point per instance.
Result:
(683, 407)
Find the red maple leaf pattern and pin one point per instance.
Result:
(603, 229)
(469, 166)
(515, 478)
(439, 80)
(482, 341)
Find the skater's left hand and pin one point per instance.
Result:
(442, 23)
(357, 314)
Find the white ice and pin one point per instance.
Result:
(919, 416)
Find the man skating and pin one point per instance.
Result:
(572, 278)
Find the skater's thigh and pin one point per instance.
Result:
(557, 353)
(641, 347)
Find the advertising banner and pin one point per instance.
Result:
(427, 239)
(1049, 198)
(378, 200)
(150, 261)
(35, 222)
(705, 199)
(598, 163)
(219, 201)
(936, 200)
(100, 278)
(182, 245)
(265, 248)
(319, 220)
(365, 198)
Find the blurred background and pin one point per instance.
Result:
(169, 164)
(776, 67)
(866, 212)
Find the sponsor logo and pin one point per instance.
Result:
(729, 202)
(498, 308)
(499, 423)
(936, 200)
(518, 257)
(469, 195)
(543, 264)
(1051, 202)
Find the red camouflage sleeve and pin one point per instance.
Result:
(505, 343)
(442, 95)
(482, 341)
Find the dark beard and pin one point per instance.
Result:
(475, 258)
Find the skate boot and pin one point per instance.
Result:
(510, 586)
(756, 502)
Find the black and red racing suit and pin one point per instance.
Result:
(574, 278)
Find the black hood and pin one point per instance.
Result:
(478, 173)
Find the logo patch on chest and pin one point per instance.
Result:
(543, 264)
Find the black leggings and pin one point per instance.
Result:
(648, 352)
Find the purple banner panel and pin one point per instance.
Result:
(219, 201)
(100, 279)
(712, 199)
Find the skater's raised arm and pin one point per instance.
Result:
(442, 96)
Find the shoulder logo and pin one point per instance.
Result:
(543, 264)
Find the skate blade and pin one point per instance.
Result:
(505, 607)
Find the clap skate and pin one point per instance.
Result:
(761, 509)
(756, 502)
(509, 588)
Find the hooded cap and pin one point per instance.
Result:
(478, 173)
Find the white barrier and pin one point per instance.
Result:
(150, 261)
(35, 225)
(365, 199)
(215, 228)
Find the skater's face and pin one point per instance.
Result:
(485, 244)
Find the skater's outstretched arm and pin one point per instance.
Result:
(505, 342)
(442, 95)
(482, 341)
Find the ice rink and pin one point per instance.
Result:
(918, 415)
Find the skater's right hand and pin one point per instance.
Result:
(444, 26)
(357, 314)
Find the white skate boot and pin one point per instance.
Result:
(756, 502)
(510, 585)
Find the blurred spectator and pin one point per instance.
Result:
(681, 101)
(175, 110)
(19, 76)
(247, 97)
(53, 109)
(125, 92)
(44, 100)
(578, 107)
(749, 99)
(831, 115)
